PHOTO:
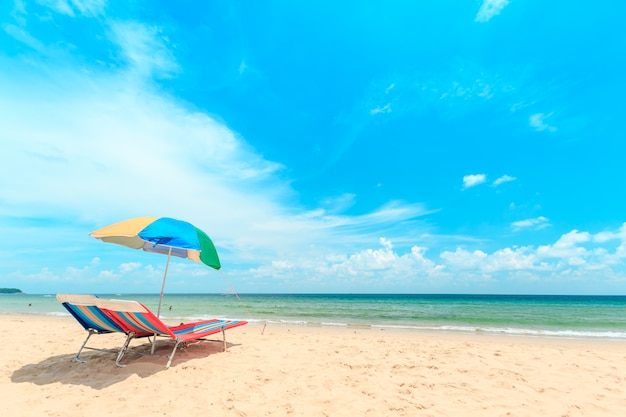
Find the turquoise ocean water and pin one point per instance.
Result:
(533, 315)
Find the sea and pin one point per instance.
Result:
(566, 316)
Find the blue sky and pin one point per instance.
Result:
(387, 146)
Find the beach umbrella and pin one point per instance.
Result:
(162, 235)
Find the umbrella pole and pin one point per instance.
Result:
(169, 254)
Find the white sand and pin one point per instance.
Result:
(310, 371)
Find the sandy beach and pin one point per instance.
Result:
(310, 371)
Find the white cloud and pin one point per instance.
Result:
(19, 12)
(489, 9)
(473, 180)
(243, 67)
(538, 122)
(23, 36)
(104, 147)
(81, 149)
(384, 263)
(574, 254)
(572, 239)
(130, 266)
(505, 259)
(339, 203)
(567, 246)
(576, 249)
(511, 259)
(608, 236)
(84, 7)
(59, 6)
(503, 179)
(384, 109)
(146, 48)
(535, 223)
(90, 7)
(469, 89)
(463, 259)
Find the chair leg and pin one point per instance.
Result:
(82, 347)
(123, 350)
(169, 361)
(224, 338)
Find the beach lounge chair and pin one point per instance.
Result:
(136, 319)
(83, 308)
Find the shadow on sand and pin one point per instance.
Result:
(100, 370)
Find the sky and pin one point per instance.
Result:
(451, 146)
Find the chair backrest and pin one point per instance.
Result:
(132, 316)
(84, 309)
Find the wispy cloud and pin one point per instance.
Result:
(23, 36)
(535, 223)
(538, 122)
(19, 12)
(68, 7)
(489, 9)
(109, 147)
(243, 67)
(473, 180)
(102, 144)
(503, 179)
(384, 109)
(90, 7)
(59, 6)
(146, 48)
(469, 90)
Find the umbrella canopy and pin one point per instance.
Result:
(162, 235)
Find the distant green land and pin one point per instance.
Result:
(10, 291)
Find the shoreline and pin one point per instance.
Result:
(578, 317)
(537, 333)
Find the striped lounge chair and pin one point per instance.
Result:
(136, 320)
(83, 308)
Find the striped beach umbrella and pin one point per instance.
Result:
(162, 235)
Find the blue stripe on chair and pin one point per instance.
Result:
(91, 317)
(200, 328)
(209, 326)
(97, 318)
